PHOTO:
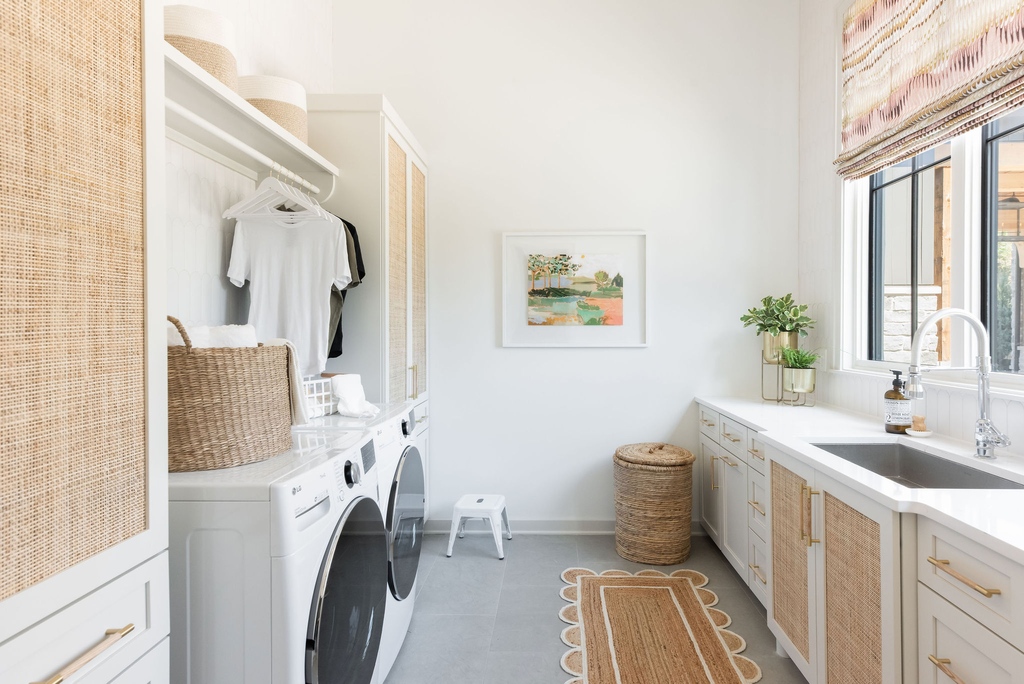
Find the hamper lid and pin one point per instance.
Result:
(654, 454)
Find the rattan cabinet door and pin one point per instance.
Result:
(858, 586)
(791, 604)
(398, 268)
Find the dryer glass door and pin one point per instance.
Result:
(405, 522)
(348, 609)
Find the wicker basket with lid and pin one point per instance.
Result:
(653, 503)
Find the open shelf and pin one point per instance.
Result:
(189, 87)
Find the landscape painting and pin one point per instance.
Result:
(574, 289)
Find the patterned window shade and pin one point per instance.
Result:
(916, 72)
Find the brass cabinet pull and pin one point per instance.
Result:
(706, 422)
(943, 665)
(803, 515)
(713, 485)
(944, 566)
(810, 517)
(756, 506)
(420, 420)
(112, 637)
(729, 463)
(730, 437)
(755, 569)
(756, 453)
(415, 381)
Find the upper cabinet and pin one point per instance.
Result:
(382, 190)
(83, 480)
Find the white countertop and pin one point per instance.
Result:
(992, 516)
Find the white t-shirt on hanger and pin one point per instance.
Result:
(290, 269)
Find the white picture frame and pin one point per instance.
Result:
(630, 251)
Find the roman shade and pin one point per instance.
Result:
(917, 72)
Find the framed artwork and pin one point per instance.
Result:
(574, 289)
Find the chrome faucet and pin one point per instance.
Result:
(986, 435)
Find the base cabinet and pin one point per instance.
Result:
(835, 582)
(711, 489)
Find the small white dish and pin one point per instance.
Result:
(919, 433)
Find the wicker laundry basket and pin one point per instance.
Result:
(653, 503)
(226, 406)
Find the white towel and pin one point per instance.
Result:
(219, 336)
(351, 397)
(300, 412)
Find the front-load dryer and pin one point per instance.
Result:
(279, 568)
(401, 484)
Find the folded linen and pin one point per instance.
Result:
(219, 336)
(300, 411)
(351, 397)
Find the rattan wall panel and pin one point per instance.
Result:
(853, 595)
(789, 557)
(397, 271)
(72, 439)
(419, 277)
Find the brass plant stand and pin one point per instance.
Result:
(780, 395)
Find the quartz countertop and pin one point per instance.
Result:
(992, 516)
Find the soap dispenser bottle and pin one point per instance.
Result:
(897, 407)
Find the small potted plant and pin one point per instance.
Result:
(798, 373)
(780, 322)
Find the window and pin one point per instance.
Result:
(1003, 239)
(910, 260)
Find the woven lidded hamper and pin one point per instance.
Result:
(205, 37)
(653, 503)
(226, 406)
(282, 99)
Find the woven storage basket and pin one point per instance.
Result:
(205, 37)
(226, 407)
(282, 99)
(653, 503)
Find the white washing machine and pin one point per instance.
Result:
(401, 484)
(279, 568)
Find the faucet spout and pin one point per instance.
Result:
(986, 436)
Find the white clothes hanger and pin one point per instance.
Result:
(270, 196)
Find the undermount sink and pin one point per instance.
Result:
(915, 468)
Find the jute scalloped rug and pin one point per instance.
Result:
(649, 628)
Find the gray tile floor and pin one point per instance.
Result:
(479, 620)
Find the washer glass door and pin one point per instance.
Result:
(347, 615)
(405, 522)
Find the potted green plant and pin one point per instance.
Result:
(780, 322)
(798, 373)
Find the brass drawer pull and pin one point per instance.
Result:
(943, 665)
(729, 463)
(756, 505)
(713, 485)
(730, 437)
(805, 505)
(756, 453)
(112, 637)
(706, 422)
(944, 566)
(755, 569)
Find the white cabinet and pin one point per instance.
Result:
(383, 192)
(84, 480)
(834, 599)
(710, 489)
(735, 525)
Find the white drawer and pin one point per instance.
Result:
(708, 421)
(969, 575)
(733, 437)
(757, 569)
(755, 451)
(757, 504)
(152, 668)
(949, 639)
(421, 417)
(139, 597)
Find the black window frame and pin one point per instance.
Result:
(991, 133)
(876, 244)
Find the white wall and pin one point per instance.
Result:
(951, 411)
(677, 118)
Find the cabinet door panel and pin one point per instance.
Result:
(398, 264)
(419, 281)
(790, 608)
(734, 499)
(710, 493)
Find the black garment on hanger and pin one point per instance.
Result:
(338, 298)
